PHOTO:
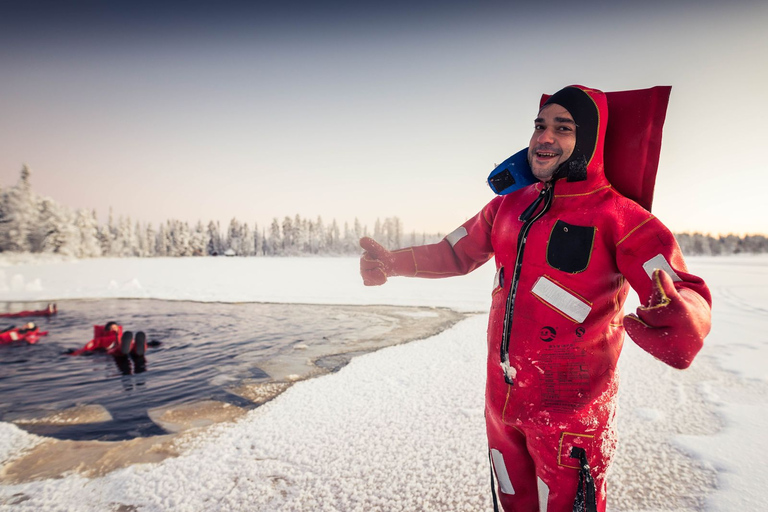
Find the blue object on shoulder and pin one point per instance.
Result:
(512, 174)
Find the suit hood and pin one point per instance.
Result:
(589, 109)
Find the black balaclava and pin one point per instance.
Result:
(584, 112)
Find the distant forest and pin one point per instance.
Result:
(30, 223)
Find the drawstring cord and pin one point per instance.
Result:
(585, 494)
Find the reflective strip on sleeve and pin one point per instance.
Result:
(505, 485)
(456, 235)
(561, 299)
(660, 262)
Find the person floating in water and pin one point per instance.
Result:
(50, 310)
(29, 333)
(110, 338)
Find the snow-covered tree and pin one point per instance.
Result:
(320, 236)
(55, 231)
(20, 215)
(199, 240)
(275, 241)
(215, 245)
(333, 238)
(88, 229)
(235, 237)
(246, 241)
(258, 240)
(288, 237)
(150, 237)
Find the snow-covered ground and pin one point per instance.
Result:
(402, 428)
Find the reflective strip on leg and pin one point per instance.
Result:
(505, 485)
(543, 494)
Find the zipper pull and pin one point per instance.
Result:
(528, 212)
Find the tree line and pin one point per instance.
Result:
(30, 223)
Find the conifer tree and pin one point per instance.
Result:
(275, 243)
(55, 231)
(258, 240)
(19, 214)
(87, 228)
(288, 240)
(246, 245)
(234, 237)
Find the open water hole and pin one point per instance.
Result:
(205, 349)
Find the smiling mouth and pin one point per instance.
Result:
(546, 154)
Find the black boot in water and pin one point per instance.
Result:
(125, 342)
(141, 344)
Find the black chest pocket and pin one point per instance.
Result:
(570, 247)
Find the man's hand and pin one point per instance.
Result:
(673, 325)
(376, 263)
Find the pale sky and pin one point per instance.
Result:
(213, 110)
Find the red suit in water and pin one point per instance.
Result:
(48, 311)
(567, 249)
(29, 333)
(105, 338)
(114, 341)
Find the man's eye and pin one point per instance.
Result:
(538, 127)
(565, 128)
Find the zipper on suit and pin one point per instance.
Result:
(529, 216)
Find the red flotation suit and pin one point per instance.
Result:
(30, 335)
(566, 254)
(49, 311)
(103, 340)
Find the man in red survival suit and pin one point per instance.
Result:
(567, 248)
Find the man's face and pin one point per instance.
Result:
(553, 140)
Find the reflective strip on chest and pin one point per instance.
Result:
(561, 299)
(457, 234)
(659, 261)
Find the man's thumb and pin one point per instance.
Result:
(663, 289)
(374, 248)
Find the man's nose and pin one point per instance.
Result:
(545, 137)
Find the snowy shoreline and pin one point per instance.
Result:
(380, 434)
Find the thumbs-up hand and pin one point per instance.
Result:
(376, 263)
(673, 325)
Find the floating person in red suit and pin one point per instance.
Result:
(29, 333)
(50, 310)
(110, 338)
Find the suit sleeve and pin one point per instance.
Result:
(649, 245)
(676, 322)
(459, 253)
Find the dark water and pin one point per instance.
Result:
(205, 349)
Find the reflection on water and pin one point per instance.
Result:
(206, 350)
